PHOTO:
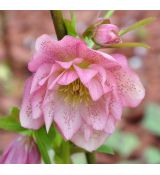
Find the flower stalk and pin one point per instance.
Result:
(91, 158)
(58, 22)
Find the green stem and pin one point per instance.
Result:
(66, 152)
(58, 22)
(91, 159)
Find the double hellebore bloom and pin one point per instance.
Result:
(82, 90)
(106, 34)
(23, 150)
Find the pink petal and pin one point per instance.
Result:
(121, 59)
(67, 118)
(113, 105)
(85, 75)
(53, 80)
(46, 44)
(39, 59)
(103, 77)
(49, 108)
(48, 50)
(95, 89)
(26, 117)
(41, 73)
(95, 114)
(110, 125)
(88, 131)
(54, 71)
(96, 139)
(68, 64)
(68, 77)
(101, 72)
(71, 46)
(129, 87)
(98, 57)
(36, 101)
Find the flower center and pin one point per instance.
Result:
(75, 93)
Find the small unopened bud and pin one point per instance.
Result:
(105, 34)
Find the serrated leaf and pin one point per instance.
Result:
(11, 122)
(129, 44)
(151, 120)
(137, 25)
(106, 149)
(109, 14)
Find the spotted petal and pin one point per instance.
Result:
(130, 89)
(96, 139)
(26, 117)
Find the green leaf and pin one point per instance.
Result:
(109, 14)
(124, 143)
(129, 44)
(62, 153)
(106, 149)
(151, 120)
(152, 155)
(71, 25)
(137, 25)
(11, 122)
(73, 20)
(89, 42)
(44, 141)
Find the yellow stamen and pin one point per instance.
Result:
(75, 93)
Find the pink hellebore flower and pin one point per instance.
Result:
(82, 90)
(23, 150)
(106, 34)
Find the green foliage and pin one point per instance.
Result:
(11, 122)
(44, 141)
(137, 25)
(71, 25)
(61, 149)
(89, 42)
(62, 153)
(129, 44)
(106, 149)
(151, 119)
(124, 143)
(109, 14)
(152, 155)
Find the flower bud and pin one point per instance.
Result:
(23, 150)
(106, 34)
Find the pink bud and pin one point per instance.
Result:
(106, 34)
(23, 150)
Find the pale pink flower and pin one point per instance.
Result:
(106, 34)
(23, 150)
(82, 90)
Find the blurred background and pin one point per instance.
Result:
(137, 139)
